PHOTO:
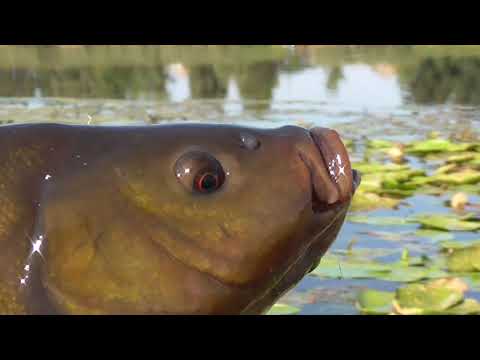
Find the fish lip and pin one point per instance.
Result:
(327, 142)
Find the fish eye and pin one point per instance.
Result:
(199, 172)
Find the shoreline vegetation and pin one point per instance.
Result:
(55, 56)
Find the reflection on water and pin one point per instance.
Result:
(388, 76)
(444, 79)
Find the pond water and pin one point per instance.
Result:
(399, 93)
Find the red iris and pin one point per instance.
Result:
(207, 182)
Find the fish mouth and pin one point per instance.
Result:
(336, 176)
(333, 180)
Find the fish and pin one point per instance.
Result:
(179, 219)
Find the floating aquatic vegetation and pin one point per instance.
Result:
(464, 259)
(434, 235)
(449, 246)
(406, 270)
(434, 297)
(463, 177)
(430, 146)
(441, 296)
(385, 185)
(377, 220)
(447, 222)
(445, 169)
(334, 267)
(388, 180)
(283, 309)
(373, 302)
(370, 167)
(465, 158)
(365, 201)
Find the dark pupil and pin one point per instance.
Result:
(208, 182)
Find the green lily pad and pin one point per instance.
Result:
(369, 168)
(473, 280)
(466, 259)
(363, 201)
(462, 158)
(430, 190)
(377, 220)
(469, 189)
(434, 235)
(438, 297)
(465, 177)
(445, 169)
(411, 274)
(334, 268)
(375, 302)
(391, 236)
(283, 309)
(467, 307)
(455, 245)
(409, 270)
(446, 222)
(424, 299)
(437, 146)
(362, 253)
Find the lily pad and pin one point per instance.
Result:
(369, 168)
(283, 309)
(465, 177)
(445, 169)
(446, 222)
(463, 158)
(334, 268)
(437, 146)
(375, 302)
(363, 201)
(434, 235)
(467, 307)
(465, 259)
(353, 268)
(371, 220)
(410, 274)
(424, 299)
(455, 245)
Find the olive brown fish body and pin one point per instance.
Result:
(177, 219)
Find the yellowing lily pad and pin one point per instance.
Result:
(283, 309)
(466, 259)
(467, 307)
(455, 244)
(363, 201)
(442, 296)
(424, 298)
